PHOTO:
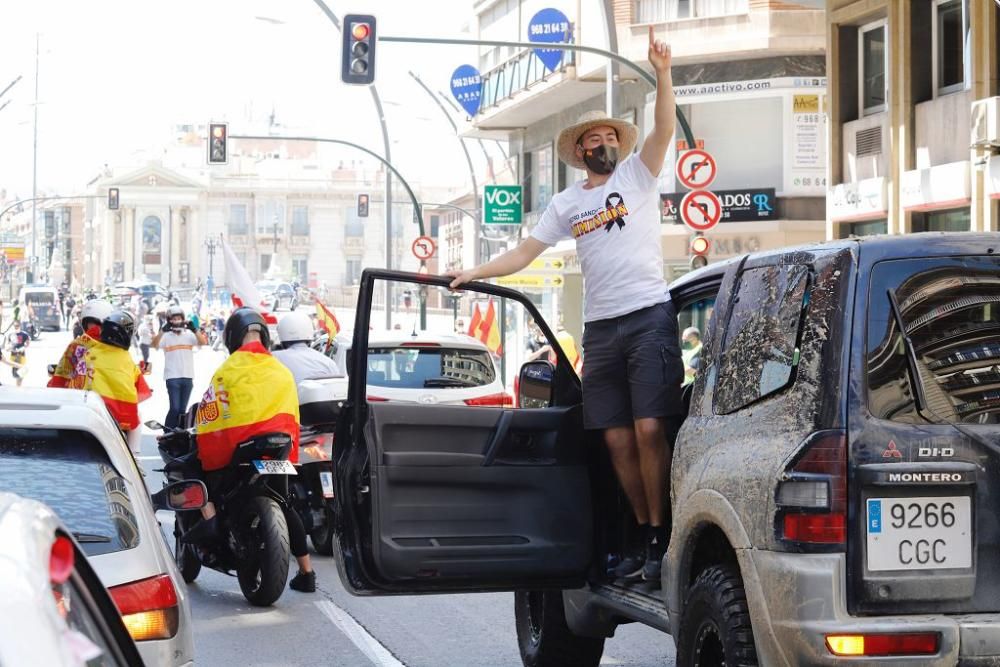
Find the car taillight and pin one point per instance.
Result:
(911, 643)
(377, 399)
(61, 560)
(148, 607)
(812, 493)
(319, 447)
(501, 400)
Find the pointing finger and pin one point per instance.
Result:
(652, 38)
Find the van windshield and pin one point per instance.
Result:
(950, 309)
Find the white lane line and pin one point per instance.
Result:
(360, 637)
(147, 458)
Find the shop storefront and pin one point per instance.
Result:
(858, 209)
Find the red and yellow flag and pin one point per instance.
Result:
(488, 330)
(110, 372)
(477, 319)
(72, 362)
(326, 320)
(252, 393)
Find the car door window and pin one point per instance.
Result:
(760, 350)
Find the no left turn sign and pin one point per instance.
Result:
(696, 169)
(423, 247)
(701, 210)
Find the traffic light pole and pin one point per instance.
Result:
(649, 78)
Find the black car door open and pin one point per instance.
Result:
(443, 480)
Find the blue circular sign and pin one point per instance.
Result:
(467, 88)
(550, 25)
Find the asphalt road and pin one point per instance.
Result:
(331, 627)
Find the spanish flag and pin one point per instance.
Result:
(110, 372)
(326, 320)
(71, 365)
(252, 393)
(487, 329)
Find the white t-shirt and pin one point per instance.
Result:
(306, 363)
(617, 232)
(178, 354)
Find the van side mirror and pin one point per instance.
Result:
(188, 494)
(535, 384)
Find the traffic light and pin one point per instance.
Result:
(699, 251)
(112, 199)
(358, 58)
(218, 138)
(362, 206)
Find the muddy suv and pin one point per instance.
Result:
(834, 488)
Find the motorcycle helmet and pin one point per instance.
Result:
(175, 311)
(94, 312)
(242, 321)
(295, 327)
(118, 329)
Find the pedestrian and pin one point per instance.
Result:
(17, 342)
(68, 305)
(177, 339)
(146, 332)
(691, 352)
(220, 324)
(631, 389)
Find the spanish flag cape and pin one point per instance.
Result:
(110, 372)
(252, 393)
(69, 366)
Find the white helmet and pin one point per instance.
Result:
(175, 311)
(95, 309)
(293, 327)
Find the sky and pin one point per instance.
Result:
(115, 76)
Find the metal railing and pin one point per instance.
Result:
(516, 74)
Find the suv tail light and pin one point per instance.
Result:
(501, 400)
(812, 493)
(148, 607)
(912, 643)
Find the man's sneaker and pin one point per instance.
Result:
(655, 549)
(304, 582)
(629, 568)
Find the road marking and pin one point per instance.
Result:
(360, 637)
(147, 458)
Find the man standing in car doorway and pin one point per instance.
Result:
(633, 370)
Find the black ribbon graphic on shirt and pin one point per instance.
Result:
(613, 210)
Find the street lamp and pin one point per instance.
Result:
(211, 245)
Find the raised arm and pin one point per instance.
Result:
(510, 262)
(654, 149)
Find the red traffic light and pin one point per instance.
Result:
(700, 245)
(218, 131)
(360, 31)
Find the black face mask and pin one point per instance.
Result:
(601, 160)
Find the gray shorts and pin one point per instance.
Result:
(632, 368)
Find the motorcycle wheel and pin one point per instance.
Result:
(322, 535)
(186, 557)
(264, 571)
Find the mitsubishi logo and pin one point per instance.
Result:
(891, 452)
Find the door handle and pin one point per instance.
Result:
(499, 435)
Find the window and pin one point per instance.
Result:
(760, 352)
(658, 11)
(270, 216)
(872, 57)
(856, 229)
(69, 471)
(300, 268)
(435, 226)
(238, 219)
(694, 315)
(949, 33)
(300, 221)
(352, 274)
(540, 166)
(954, 220)
(949, 309)
(355, 226)
(265, 262)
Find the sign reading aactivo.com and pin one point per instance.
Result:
(502, 205)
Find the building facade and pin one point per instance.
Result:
(907, 79)
(759, 61)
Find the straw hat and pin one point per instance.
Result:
(628, 135)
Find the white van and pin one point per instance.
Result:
(44, 303)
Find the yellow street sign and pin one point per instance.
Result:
(530, 280)
(553, 264)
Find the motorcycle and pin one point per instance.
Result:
(249, 497)
(310, 492)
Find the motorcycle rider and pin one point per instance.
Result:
(250, 394)
(295, 332)
(92, 315)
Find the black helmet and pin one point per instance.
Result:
(242, 321)
(118, 329)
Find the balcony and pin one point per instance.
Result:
(354, 245)
(521, 91)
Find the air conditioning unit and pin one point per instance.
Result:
(986, 122)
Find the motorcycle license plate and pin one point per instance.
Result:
(274, 467)
(326, 481)
(919, 533)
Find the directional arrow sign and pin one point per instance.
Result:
(530, 280)
(701, 210)
(423, 247)
(547, 265)
(696, 169)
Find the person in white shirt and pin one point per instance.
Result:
(145, 338)
(295, 332)
(177, 339)
(631, 387)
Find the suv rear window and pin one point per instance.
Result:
(429, 367)
(760, 352)
(950, 307)
(69, 471)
